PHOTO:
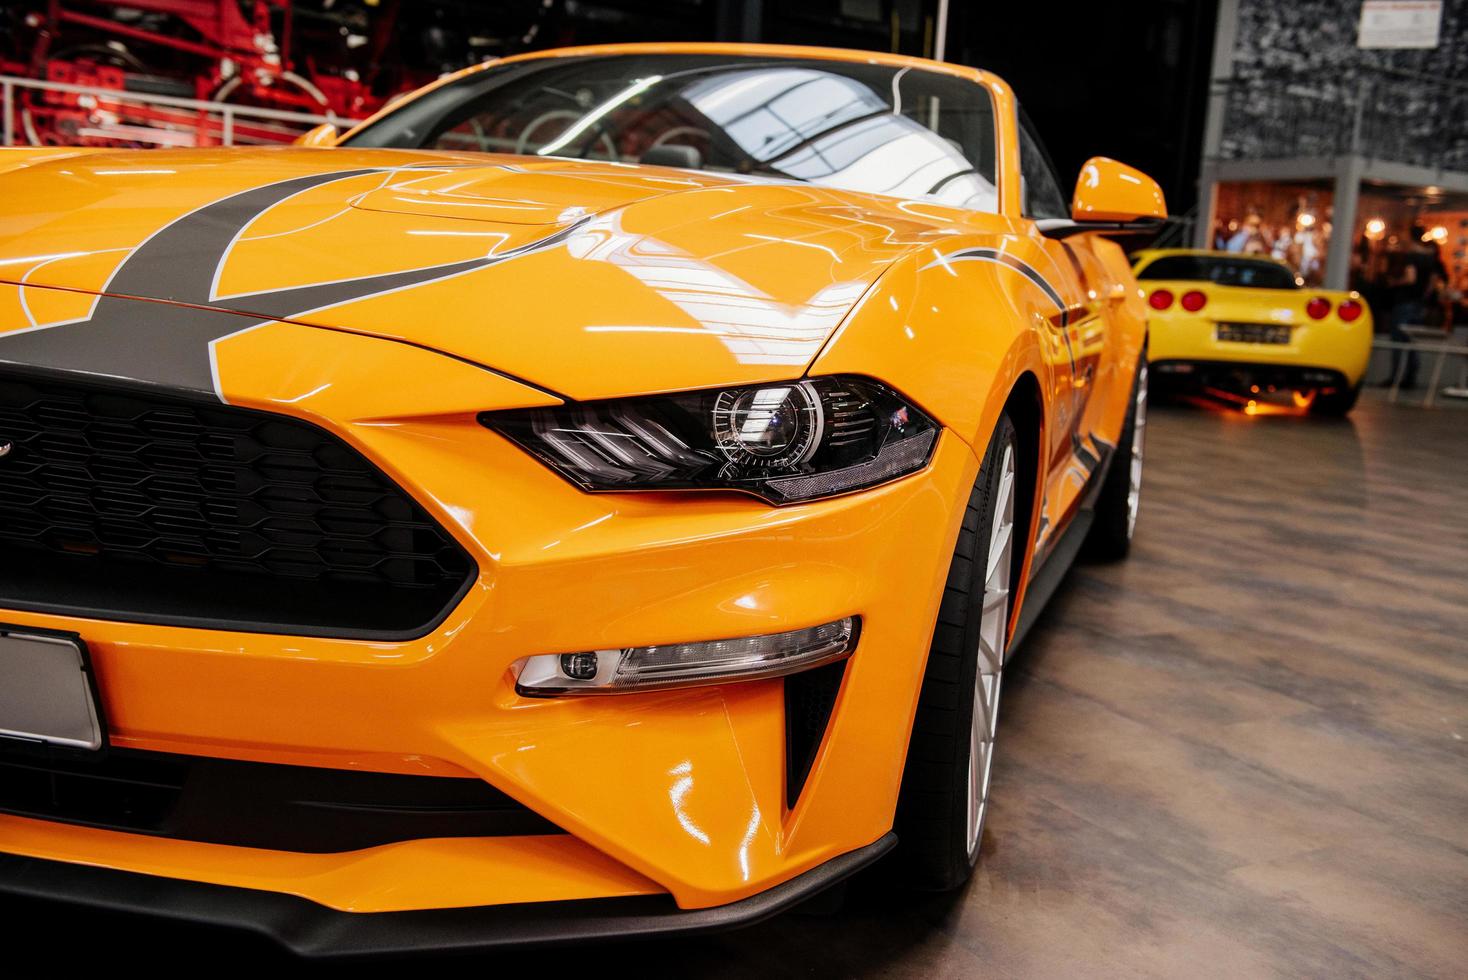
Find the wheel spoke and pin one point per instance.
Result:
(993, 630)
(999, 549)
(1139, 438)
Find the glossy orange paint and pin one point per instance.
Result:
(667, 280)
(1109, 190)
(439, 873)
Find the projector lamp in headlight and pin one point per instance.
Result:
(788, 442)
(687, 664)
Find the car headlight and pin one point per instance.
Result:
(787, 442)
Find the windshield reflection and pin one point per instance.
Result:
(908, 133)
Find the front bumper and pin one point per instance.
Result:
(673, 793)
(312, 931)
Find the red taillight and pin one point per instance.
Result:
(1193, 301)
(1160, 299)
(1318, 308)
(1349, 310)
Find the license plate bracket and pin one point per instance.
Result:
(1252, 333)
(48, 691)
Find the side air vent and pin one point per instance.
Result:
(810, 697)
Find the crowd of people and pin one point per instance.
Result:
(1300, 243)
(1408, 285)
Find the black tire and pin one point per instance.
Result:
(932, 811)
(1114, 522)
(1336, 403)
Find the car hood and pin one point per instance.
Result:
(588, 279)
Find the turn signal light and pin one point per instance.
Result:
(1318, 308)
(1160, 299)
(686, 664)
(1193, 301)
(1349, 310)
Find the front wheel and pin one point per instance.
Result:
(945, 784)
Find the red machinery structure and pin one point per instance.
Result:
(239, 52)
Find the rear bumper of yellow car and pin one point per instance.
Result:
(1316, 349)
(676, 798)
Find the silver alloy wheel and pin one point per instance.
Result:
(993, 634)
(1139, 438)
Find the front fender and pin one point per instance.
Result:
(953, 336)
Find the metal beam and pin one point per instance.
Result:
(940, 36)
(1329, 168)
(1343, 223)
(1225, 37)
(740, 20)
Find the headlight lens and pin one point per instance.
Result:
(788, 442)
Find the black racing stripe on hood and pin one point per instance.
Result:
(178, 262)
(282, 303)
(166, 345)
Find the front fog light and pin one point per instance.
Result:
(686, 664)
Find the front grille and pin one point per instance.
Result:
(1253, 333)
(121, 505)
(254, 804)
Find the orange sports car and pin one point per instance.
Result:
(595, 496)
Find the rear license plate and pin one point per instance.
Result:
(1252, 333)
(46, 690)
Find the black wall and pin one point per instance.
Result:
(1128, 81)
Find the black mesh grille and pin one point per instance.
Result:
(130, 506)
(254, 804)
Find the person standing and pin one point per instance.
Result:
(1421, 272)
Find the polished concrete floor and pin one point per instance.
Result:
(1239, 754)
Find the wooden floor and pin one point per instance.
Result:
(1240, 753)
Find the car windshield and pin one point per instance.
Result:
(899, 131)
(1223, 270)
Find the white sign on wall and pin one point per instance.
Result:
(1399, 23)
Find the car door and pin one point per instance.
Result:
(1078, 335)
(1094, 340)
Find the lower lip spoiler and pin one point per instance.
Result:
(315, 931)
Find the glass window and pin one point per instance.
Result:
(1225, 271)
(1040, 195)
(904, 132)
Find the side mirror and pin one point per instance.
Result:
(323, 135)
(1110, 196)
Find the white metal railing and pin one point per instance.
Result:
(228, 120)
(1425, 340)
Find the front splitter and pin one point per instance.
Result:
(315, 931)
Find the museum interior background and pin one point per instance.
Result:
(1240, 753)
(1269, 126)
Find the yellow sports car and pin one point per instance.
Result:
(595, 496)
(1246, 327)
